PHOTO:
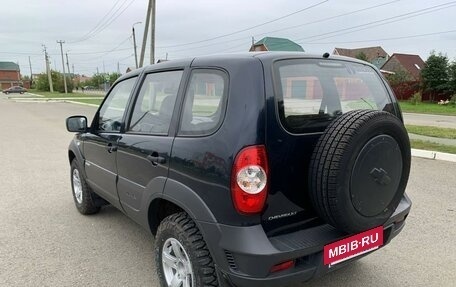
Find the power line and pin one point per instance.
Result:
(109, 21)
(380, 22)
(386, 39)
(330, 18)
(249, 28)
(291, 27)
(99, 22)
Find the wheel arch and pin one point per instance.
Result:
(177, 197)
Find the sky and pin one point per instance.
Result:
(97, 33)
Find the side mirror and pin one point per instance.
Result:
(76, 124)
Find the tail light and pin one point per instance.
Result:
(249, 180)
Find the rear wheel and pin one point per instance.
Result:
(84, 199)
(181, 255)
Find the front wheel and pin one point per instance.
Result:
(84, 198)
(181, 255)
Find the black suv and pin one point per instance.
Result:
(254, 169)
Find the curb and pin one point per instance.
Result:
(433, 155)
(79, 103)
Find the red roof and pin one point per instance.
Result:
(412, 63)
(371, 53)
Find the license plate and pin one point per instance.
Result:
(353, 246)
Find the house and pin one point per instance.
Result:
(374, 55)
(410, 64)
(10, 75)
(275, 44)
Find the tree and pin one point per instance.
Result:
(97, 80)
(399, 77)
(452, 76)
(401, 84)
(362, 56)
(42, 83)
(435, 74)
(113, 77)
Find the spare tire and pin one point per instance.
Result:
(359, 170)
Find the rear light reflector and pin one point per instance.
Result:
(249, 180)
(282, 266)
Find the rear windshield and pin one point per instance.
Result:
(312, 92)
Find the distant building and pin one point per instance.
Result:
(10, 75)
(408, 63)
(275, 44)
(374, 55)
(405, 75)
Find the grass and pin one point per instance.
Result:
(428, 108)
(446, 133)
(426, 145)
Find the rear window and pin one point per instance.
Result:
(312, 92)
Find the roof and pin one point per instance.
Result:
(372, 53)
(221, 59)
(279, 44)
(9, 66)
(412, 63)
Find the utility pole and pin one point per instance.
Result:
(118, 67)
(72, 66)
(146, 30)
(134, 43)
(68, 65)
(48, 70)
(152, 35)
(31, 73)
(63, 65)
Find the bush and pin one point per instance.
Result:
(453, 100)
(415, 98)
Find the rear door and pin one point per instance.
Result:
(308, 95)
(100, 145)
(144, 150)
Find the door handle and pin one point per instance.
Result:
(111, 148)
(156, 159)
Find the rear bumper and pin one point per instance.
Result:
(245, 255)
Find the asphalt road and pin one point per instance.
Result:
(44, 241)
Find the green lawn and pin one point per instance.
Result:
(446, 133)
(426, 145)
(428, 108)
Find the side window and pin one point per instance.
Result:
(204, 104)
(112, 111)
(155, 103)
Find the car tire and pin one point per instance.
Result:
(359, 170)
(7, 93)
(85, 200)
(182, 254)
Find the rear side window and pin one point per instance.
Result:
(204, 104)
(312, 92)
